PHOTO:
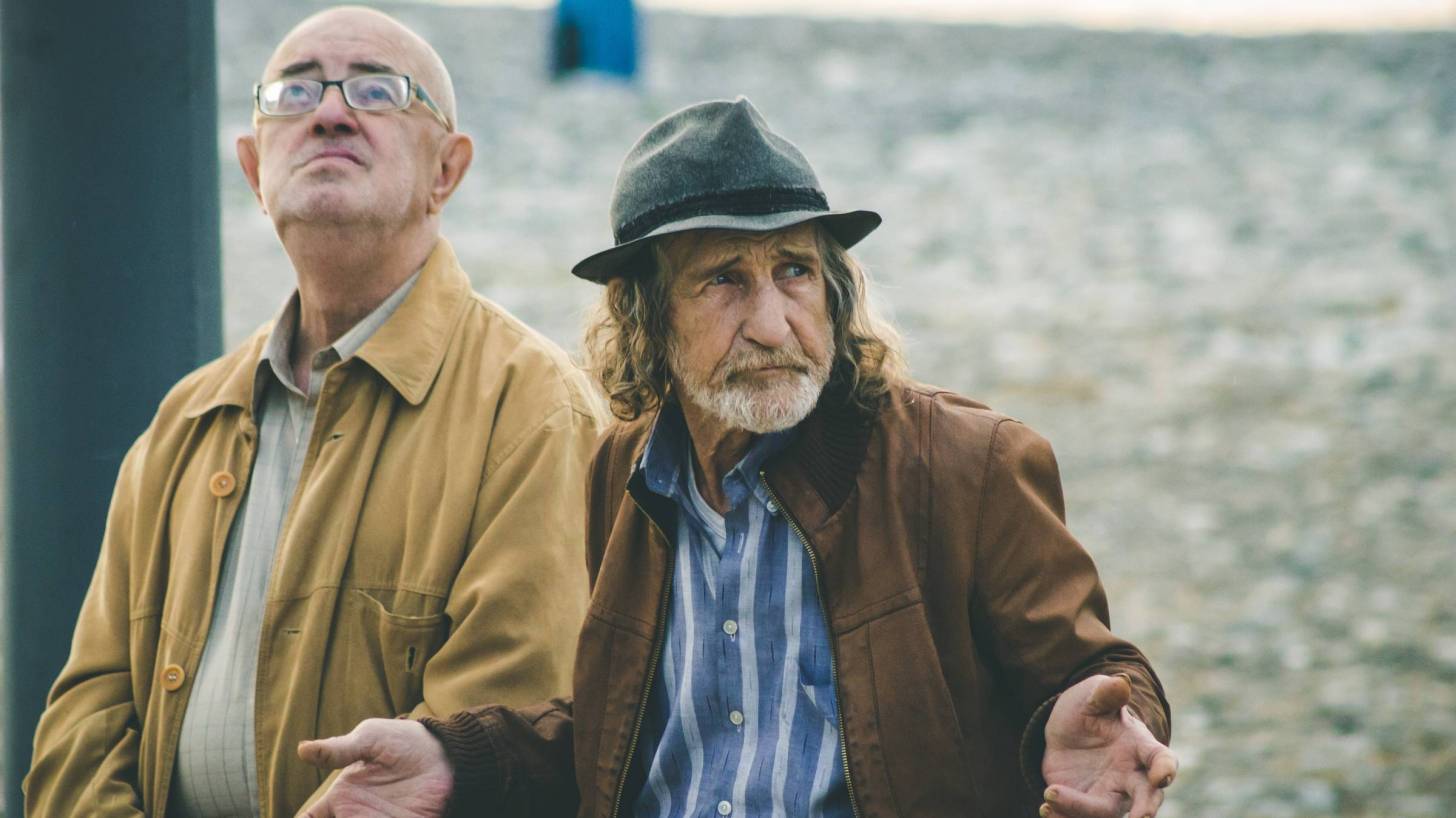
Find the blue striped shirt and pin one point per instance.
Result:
(742, 719)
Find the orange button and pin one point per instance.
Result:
(222, 484)
(172, 677)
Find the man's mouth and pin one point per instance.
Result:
(335, 153)
(770, 370)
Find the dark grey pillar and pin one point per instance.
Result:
(111, 288)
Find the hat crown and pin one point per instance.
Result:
(713, 166)
(708, 157)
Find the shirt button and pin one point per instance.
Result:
(736, 717)
(222, 484)
(172, 677)
(773, 508)
(730, 627)
(724, 807)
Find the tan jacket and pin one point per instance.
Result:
(432, 557)
(959, 603)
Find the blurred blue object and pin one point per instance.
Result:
(594, 35)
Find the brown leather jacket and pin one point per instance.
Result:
(959, 603)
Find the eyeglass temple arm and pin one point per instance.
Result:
(430, 103)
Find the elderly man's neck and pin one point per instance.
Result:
(717, 448)
(345, 273)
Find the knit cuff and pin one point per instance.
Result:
(1033, 746)
(479, 767)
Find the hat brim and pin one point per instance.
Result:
(847, 227)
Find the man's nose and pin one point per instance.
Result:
(333, 115)
(767, 322)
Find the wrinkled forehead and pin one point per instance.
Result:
(704, 248)
(339, 48)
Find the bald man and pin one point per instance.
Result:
(373, 507)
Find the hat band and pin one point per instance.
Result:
(752, 201)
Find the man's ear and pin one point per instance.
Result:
(247, 145)
(456, 152)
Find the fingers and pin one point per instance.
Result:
(1146, 801)
(334, 753)
(1162, 768)
(1109, 696)
(323, 809)
(1065, 802)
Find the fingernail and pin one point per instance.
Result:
(1166, 781)
(1044, 811)
(1050, 794)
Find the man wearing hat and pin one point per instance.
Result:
(818, 587)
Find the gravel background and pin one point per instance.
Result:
(1219, 274)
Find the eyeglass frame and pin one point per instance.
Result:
(415, 92)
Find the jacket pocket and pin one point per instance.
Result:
(919, 738)
(384, 639)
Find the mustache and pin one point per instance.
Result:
(753, 359)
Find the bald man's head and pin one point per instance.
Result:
(391, 44)
(381, 170)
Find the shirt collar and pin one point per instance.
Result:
(277, 350)
(667, 460)
(408, 351)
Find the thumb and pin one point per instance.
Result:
(1109, 696)
(323, 809)
(334, 753)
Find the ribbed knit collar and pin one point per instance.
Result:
(826, 454)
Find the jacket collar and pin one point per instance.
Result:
(407, 351)
(814, 475)
(229, 381)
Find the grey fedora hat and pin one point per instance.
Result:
(714, 165)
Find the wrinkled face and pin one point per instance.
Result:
(338, 165)
(751, 342)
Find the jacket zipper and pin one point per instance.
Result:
(657, 640)
(833, 651)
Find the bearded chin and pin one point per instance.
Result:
(761, 410)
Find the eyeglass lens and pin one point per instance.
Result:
(369, 92)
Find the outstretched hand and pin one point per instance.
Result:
(391, 767)
(1101, 759)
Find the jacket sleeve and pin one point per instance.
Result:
(519, 761)
(1039, 597)
(519, 598)
(87, 742)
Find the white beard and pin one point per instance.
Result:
(739, 402)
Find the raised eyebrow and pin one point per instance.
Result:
(717, 269)
(300, 67)
(305, 66)
(794, 255)
(371, 68)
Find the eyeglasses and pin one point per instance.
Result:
(366, 92)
